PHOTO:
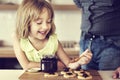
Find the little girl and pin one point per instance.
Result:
(35, 36)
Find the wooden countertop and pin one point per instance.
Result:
(8, 52)
(15, 74)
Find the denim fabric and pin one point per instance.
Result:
(106, 52)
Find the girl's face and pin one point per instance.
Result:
(40, 27)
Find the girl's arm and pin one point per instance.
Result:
(84, 58)
(61, 54)
(20, 55)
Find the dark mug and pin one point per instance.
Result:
(49, 64)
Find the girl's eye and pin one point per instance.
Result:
(38, 22)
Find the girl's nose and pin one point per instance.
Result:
(44, 25)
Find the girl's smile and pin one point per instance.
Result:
(42, 33)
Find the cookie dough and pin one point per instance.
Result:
(84, 75)
(50, 74)
(69, 75)
(65, 70)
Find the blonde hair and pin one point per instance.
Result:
(30, 10)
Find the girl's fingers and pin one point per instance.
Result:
(73, 65)
(84, 60)
(86, 53)
(88, 56)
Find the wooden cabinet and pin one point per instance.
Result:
(8, 7)
(56, 7)
(8, 59)
(9, 63)
(8, 52)
(65, 7)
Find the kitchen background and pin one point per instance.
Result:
(67, 22)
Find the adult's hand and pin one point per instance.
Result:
(116, 73)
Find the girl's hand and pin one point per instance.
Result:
(116, 73)
(73, 65)
(85, 57)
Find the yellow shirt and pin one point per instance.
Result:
(33, 55)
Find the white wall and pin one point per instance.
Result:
(7, 26)
(67, 24)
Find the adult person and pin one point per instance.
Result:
(116, 73)
(100, 32)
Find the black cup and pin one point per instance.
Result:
(49, 64)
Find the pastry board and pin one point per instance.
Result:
(40, 76)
